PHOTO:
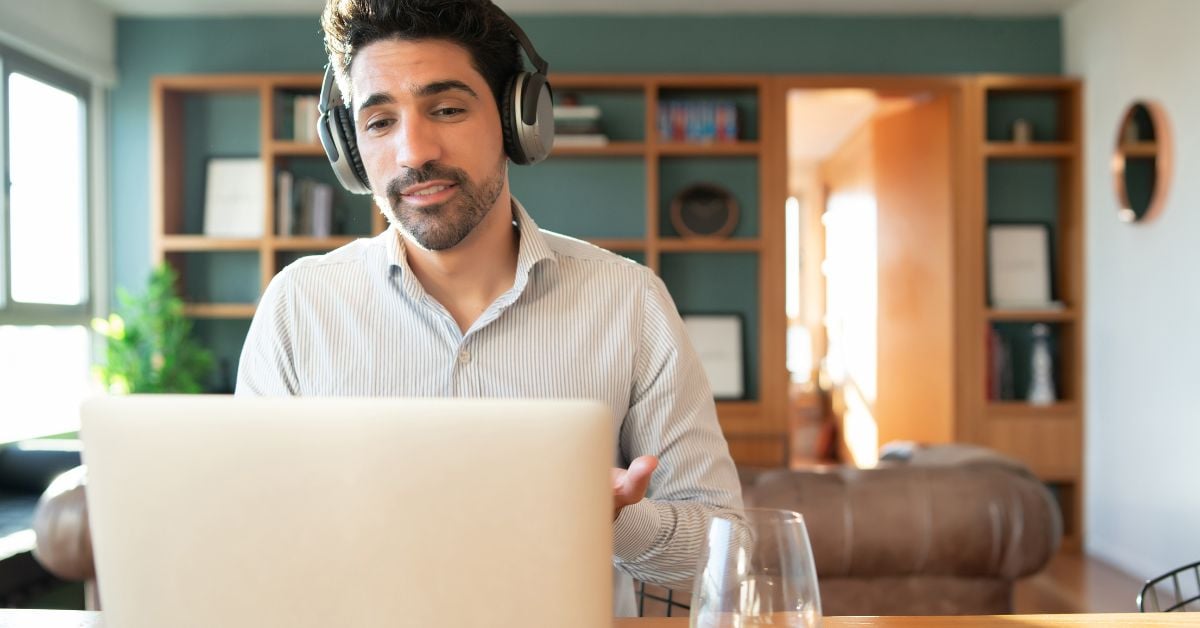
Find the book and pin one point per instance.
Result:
(582, 140)
(284, 208)
(322, 210)
(576, 112)
(304, 118)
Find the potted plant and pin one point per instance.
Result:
(148, 345)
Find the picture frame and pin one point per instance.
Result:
(719, 340)
(234, 197)
(1020, 273)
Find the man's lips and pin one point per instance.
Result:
(428, 193)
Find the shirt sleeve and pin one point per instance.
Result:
(267, 367)
(672, 416)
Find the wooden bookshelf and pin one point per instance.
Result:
(174, 186)
(1048, 438)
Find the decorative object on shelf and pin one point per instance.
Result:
(698, 121)
(717, 339)
(304, 118)
(234, 197)
(577, 125)
(1022, 131)
(704, 210)
(1041, 368)
(999, 367)
(1142, 162)
(1019, 266)
(148, 347)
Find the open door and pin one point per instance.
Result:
(914, 197)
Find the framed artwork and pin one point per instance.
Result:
(718, 339)
(1019, 267)
(234, 197)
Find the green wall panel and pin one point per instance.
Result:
(585, 197)
(223, 277)
(224, 338)
(1040, 110)
(215, 125)
(719, 283)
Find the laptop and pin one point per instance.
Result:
(215, 511)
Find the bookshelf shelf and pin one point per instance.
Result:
(286, 148)
(612, 149)
(710, 245)
(1139, 149)
(301, 243)
(1034, 150)
(200, 243)
(219, 310)
(1032, 316)
(731, 149)
(1020, 410)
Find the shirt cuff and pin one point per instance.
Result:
(635, 530)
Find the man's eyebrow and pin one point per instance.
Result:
(438, 87)
(378, 98)
(424, 91)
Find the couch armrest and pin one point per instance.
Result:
(979, 517)
(64, 542)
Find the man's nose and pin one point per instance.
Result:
(417, 143)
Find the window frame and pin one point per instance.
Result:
(29, 314)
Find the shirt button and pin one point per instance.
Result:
(464, 356)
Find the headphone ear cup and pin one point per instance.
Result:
(344, 127)
(510, 118)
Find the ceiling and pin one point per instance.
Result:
(839, 7)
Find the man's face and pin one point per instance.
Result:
(429, 136)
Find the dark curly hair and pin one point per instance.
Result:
(477, 25)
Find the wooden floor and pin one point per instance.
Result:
(1073, 583)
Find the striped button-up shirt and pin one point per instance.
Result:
(578, 322)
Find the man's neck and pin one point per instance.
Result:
(468, 277)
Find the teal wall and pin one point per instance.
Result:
(760, 44)
(146, 47)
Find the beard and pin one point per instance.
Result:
(444, 225)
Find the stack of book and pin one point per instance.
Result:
(578, 125)
(699, 121)
(304, 118)
(304, 207)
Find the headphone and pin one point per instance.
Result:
(526, 118)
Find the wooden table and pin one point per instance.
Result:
(80, 619)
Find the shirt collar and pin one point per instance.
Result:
(532, 250)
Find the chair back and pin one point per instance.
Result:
(1176, 590)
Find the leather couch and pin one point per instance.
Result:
(936, 531)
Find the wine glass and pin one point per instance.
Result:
(756, 571)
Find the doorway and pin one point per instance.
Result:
(869, 263)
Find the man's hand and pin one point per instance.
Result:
(629, 485)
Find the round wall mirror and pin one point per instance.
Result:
(1142, 162)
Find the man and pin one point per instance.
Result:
(464, 296)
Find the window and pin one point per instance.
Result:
(45, 276)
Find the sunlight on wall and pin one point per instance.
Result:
(851, 272)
